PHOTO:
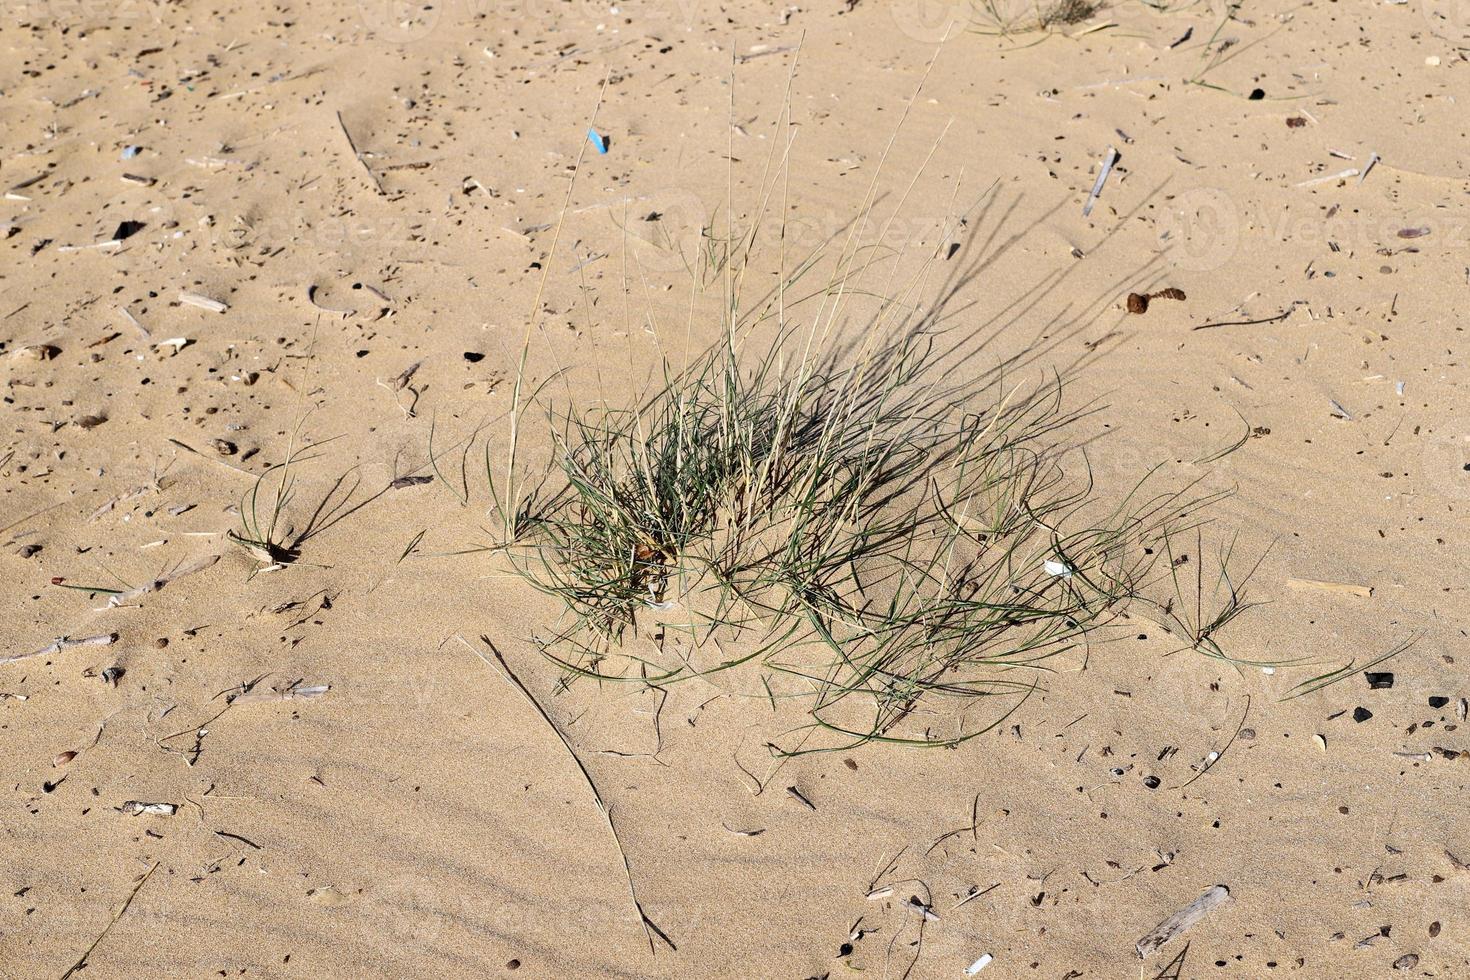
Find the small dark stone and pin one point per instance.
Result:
(225, 448)
(473, 356)
(1257, 94)
(29, 550)
(1152, 782)
(1361, 715)
(1438, 702)
(845, 949)
(1379, 681)
(127, 229)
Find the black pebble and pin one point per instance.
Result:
(1379, 681)
(474, 357)
(1361, 715)
(1257, 94)
(1438, 702)
(1152, 782)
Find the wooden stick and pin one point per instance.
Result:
(81, 964)
(1177, 923)
(119, 598)
(61, 643)
(1246, 323)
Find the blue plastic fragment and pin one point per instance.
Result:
(598, 140)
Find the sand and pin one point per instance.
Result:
(359, 190)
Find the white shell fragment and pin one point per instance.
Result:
(203, 302)
(138, 807)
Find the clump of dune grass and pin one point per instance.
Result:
(1011, 17)
(864, 532)
(822, 501)
(869, 535)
